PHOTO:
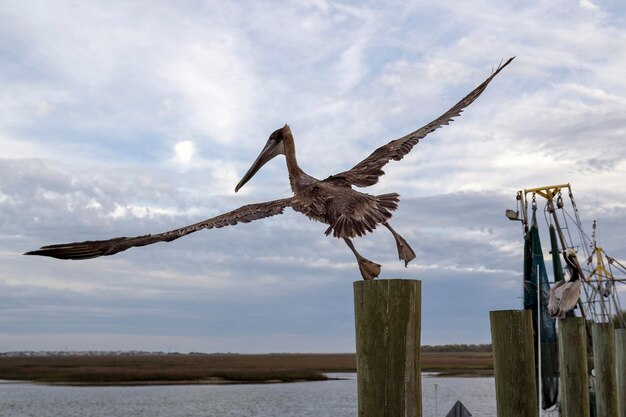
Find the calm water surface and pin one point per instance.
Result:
(304, 399)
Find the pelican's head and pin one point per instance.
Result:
(272, 148)
(571, 260)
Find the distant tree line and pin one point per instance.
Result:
(457, 348)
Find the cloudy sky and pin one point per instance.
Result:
(127, 118)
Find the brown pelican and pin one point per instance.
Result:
(348, 213)
(565, 294)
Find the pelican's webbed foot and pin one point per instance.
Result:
(405, 253)
(369, 270)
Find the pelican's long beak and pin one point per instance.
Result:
(271, 150)
(571, 260)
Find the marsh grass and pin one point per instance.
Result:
(458, 363)
(227, 368)
(173, 368)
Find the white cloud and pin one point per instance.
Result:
(138, 211)
(184, 152)
(586, 4)
(213, 85)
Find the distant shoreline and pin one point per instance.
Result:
(223, 369)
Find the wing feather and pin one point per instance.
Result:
(368, 171)
(96, 248)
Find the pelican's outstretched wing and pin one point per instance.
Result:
(368, 171)
(95, 248)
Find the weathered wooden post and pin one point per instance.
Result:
(573, 367)
(388, 326)
(514, 363)
(604, 364)
(620, 351)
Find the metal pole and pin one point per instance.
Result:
(436, 401)
(552, 211)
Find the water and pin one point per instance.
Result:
(305, 399)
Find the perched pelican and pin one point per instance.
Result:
(565, 294)
(349, 213)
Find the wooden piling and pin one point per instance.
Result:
(604, 365)
(514, 363)
(388, 326)
(573, 367)
(620, 352)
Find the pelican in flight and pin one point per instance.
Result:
(565, 294)
(347, 212)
